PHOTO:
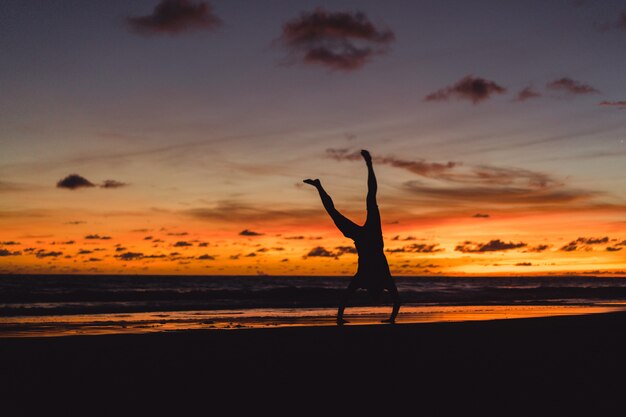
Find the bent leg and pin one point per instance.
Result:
(393, 290)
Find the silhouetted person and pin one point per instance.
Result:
(373, 271)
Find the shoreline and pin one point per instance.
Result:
(216, 320)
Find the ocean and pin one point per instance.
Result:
(55, 305)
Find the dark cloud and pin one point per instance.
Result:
(247, 232)
(481, 216)
(148, 238)
(593, 240)
(74, 181)
(320, 251)
(618, 104)
(94, 260)
(76, 222)
(538, 248)
(84, 252)
(584, 243)
(43, 254)
(613, 248)
(523, 264)
(417, 248)
(203, 244)
(337, 40)
(112, 184)
(340, 250)
(294, 237)
(496, 245)
(570, 86)
(97, 237)
(9, 243)
(527, 93)
(250, 255)
(130, 256)
(397, 237)
(6, 252)
(420, 167)
(206, 257)
(176, 16)
(177, 234)
(181, 244)
(474, 89)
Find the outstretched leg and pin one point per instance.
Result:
(345, 225)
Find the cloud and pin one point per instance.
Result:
(523, 264)
(74, 181)
(320, 251)
(294, 237)
(177, 234)
(43, 254)
(9, 243)
(584, 243)
(570, 86)
(176, 16)
(527, 93)
(613, 249)
(481, 216)
(6, 252)
(420, 167)
(112, 184)
(474, 89)
(618, 104)
(206, 257)
(247, 232)
(182, 243)
(238, 212)
(496, 245)
(84, 252)
(97, 237)
(337, 40)
(130, 256)
(340, 250)
(538, 248)
(397, 237)
(417, 248)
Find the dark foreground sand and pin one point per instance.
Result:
(550, 366)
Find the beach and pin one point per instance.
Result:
(538, 366)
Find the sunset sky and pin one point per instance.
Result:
(172, 137)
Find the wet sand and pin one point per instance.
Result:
(541, 366)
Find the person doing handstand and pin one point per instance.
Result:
(373, 272)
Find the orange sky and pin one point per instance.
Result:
(499, 145)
